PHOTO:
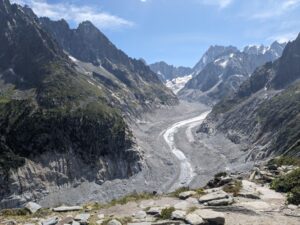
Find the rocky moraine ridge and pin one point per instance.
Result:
(64, 121)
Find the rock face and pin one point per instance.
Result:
(132, 84)
(168, 72)
(264, 113)
(222, 70)
(57, 129)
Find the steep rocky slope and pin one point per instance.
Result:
(169, 72)
(264, 114)
(61, 124)
(222, 70)
(135, 87)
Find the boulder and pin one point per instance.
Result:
(75, 223)
(33, 207)
(212, 217)
(100, 216)
(114, 222)
(178, 215)
(184, 205)
(140, 215)
(293, 207)
(194, 219)
(251, 195)
(82, 218)
(166, 222)
(67, 220)
(67, 208)
(220, 202)
(155, 211)
(213, 196)
(10, 222)
(186, 194)
(51, 221)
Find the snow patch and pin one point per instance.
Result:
(73, 58)
(178, 83)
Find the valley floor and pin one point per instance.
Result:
(173, 156)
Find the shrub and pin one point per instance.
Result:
(166, 213)
(285, 161)
(294, 196)
(289, 183)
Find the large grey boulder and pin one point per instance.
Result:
(140, 215)
(220, 202)
(155, 211)
(51, 221)
(33, 207)
(186, 194)
(178, 215)
(213, 196)
(114, 222)
(67, 208)
(194, 219)
(82, 218)
(216, 218)
(67, 220)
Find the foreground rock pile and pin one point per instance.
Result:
(224, 199)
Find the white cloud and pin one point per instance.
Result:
(220, 3)
(75, 14)
(275, 8)
(285, 37)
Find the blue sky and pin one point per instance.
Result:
(179, 31)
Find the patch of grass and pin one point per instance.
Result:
(166, 213)
(233, 188)
(285, 161)
(130, 198)
(42, 213)
(177, 192)
(14, 212)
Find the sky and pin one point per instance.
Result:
(179, 31)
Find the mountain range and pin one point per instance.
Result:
(222, 70)
(264, 113)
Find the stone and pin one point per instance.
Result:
(67, 220)
(100, 216)
(166, 222)
(178, 215)
(213, 196)
(216, 218)
(33, 207)
(67, 208)
(154, 211)
(251, 195)
(99, 222)
(82, 218)
(252, 176)
(194, 219)
(75, 223)
(186, 194)
(184, 205)
(51, 221)
(221, 202)
(140, 215)
(293, 207)
(114, 222)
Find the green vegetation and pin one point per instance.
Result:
(285, 161)
(15, 212)
(166, 213)
(233, 188)
(289, 183)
